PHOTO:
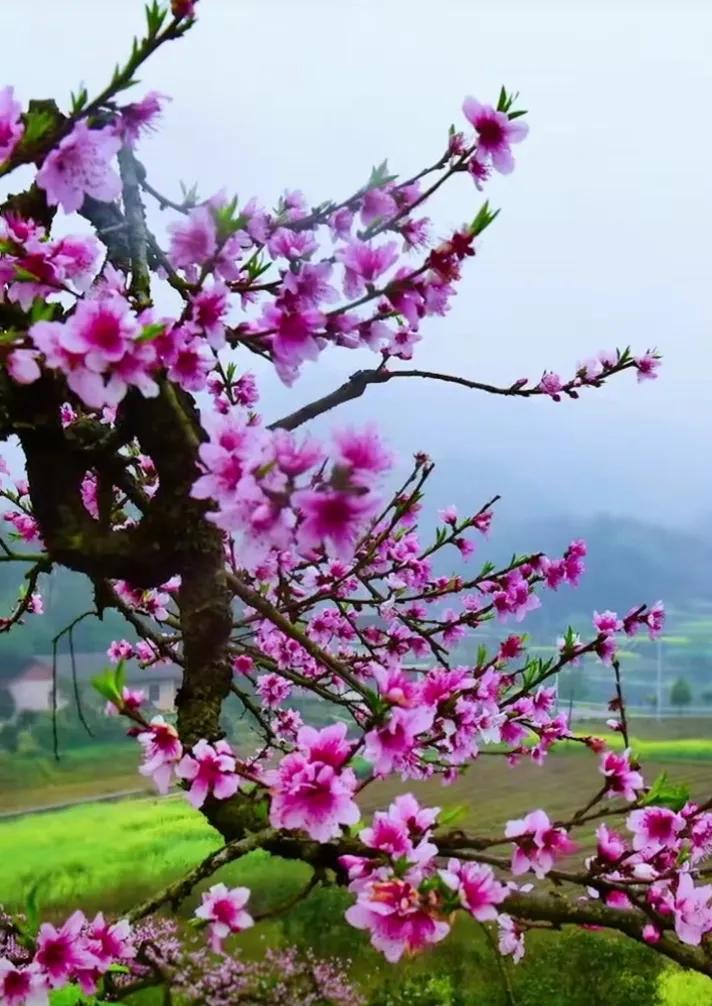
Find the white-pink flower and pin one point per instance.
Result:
(477, 887)
(537, 843)
(81, 165)
(224, 909)
(655, 829)
(691, 910)
(162, 751)
(495, 134)
(310, 788)
(22, 985)
(210, 769)
(11, 128)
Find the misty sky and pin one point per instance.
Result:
(602, 240)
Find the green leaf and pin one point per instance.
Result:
(155, 16)
(226, 219)
(38, 122)
(42, 310)
(380, 176)
(24, 275)
(79, 99)
(70, 995)
(484, 218)
(517, 115)
(151, 332)
(663, 793)
(502, 100)
(120, 676)
(108, 685)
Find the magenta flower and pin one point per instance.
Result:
(79, 166)
(295, 329)
(511, 938)
(389, 747)
(187, 358)
(647, 366)
(22, 366)
(11, 129)
(273, 690)
(119, 649)
(22, 986)
(495, 134)
(364, 264)
(210, 770)
(243, 664)
(609, 846)
(655, 620)
(691, 910)
(551, 385)
(329, 744)
(363, 452)
(140, 116)
(224, 909)
(96, 350)
(183, 8)
(607, 622)
(312, 796)
(110, 942)
(162, 750)
(310, 790)
(101, 332)
(478, 889)
(332, 518)
(621, 779)
(398, 918)
(291, 244)
(387, 835)
(62, 952)
(208, 308)
(193, 239)
(377, 204)
(537, 843)
(655, 829)
(76, 258)
(131, 700)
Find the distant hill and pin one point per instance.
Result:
(629, 562)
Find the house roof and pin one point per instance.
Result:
(34, 671)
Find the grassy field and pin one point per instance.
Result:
(34, 781)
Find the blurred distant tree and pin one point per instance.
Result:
(680, 693)
(7, 704)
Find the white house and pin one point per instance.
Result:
(31, 686)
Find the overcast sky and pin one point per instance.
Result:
(604, 234)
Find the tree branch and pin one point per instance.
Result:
(358, 382)
(180, 889)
